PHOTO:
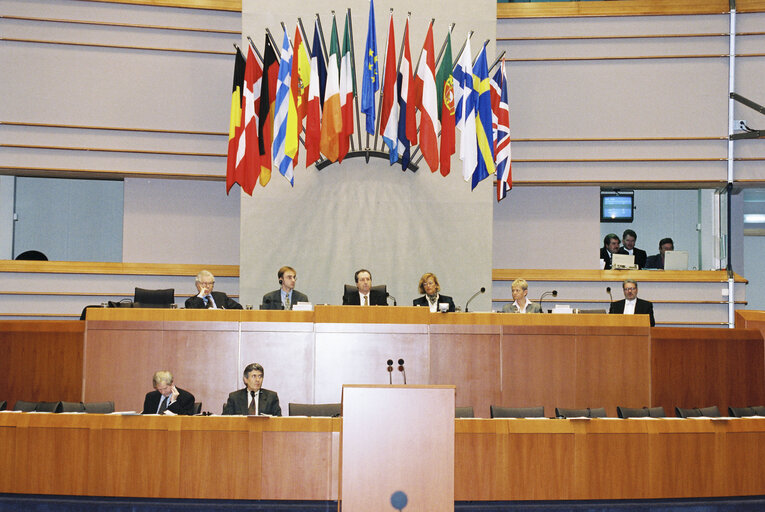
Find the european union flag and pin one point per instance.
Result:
(370, 82)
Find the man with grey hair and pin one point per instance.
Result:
(167, 398)
(631, 305)
(253, 400)
(206, 298)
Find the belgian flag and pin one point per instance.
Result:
(235, 123)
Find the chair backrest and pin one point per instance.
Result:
(696, 412)
(72, 407)
(314, 409)
(350, 289)
(517, 412)
(3, 405)
(742, 412)
(99, 407)
(154, 298)
(48, 407)
(643, 412)
(32, 256)
(197, 407)
(464, 412)
(599, 412)
(24, 406)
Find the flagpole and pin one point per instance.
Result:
(255, 49)
(321, 34)
(382, 90)
(273, 43)
(459, 54)
(305, 38)
(353, 76)
(432, 20)
(496, 61)
(443, 46)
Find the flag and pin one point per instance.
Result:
(407, 89)
(235, 120)
(301, 78)
(502, 149)
(332, 120)
(445, 95)
(370, 83)
(285, 117)
(315, 92)
(464, 115)
(248, 153)
(389, 112)
(403, 141)
(427, 104)
(266, 114)
(483, 130)
(347, 91)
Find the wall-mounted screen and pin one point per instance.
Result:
(617, 206)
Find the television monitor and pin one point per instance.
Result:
(617, 206)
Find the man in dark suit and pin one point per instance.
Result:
(365, 296)
(610, 246)
(207, 298)
(629, 238)
(166, 398)
(253, 400)
(286, 296)
(631, 304)
(657, 260)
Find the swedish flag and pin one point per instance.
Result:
(483, 129)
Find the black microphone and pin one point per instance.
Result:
(554, 293)
(608, 291)
(401, 369)
(476, 294)
(389, 296)
(390, 371)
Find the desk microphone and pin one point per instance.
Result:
(554, 293)
(608, 291)
(390, 371)
(401, 369)
(476, 294)
(389, 296)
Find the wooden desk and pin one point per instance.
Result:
(297, 458)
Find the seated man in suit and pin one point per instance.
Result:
(253, 400)
(207, 298)
(631, 305)
(521, 304)
(629, 238)
(365, 295)
(166, 398)
(657, 260)
(287, 295)
(432, 290)
(610, 246)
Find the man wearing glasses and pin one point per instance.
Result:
(631, 305)
(207, 298)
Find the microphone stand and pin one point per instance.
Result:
(476, 294)
(554, 293)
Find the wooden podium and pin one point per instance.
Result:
(397, 448)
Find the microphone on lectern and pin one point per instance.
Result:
(390, 371)
(554, 293)
(476, 294)
(401, 369)
(608, 291)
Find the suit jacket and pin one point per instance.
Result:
(222, 301)
(183, 405)
(423, 301)
(654, 261)
(533, 307)
(605, 256)
(273, 300)
(376, 298)
(640, 255)
(268, 403)
(642, 307)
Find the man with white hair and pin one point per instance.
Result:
(207, 298)
(167, 398)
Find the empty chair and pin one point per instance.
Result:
(48, 407)
(696, 412)
(314, 409)
(517, 412)
(644, 412)
(72, 407)
(153, 298)
(464, 412)
(24, 406)
(32, 256)
(599, 412)
(741, 412)
(197, 407)
(3, 405)
(99, 407)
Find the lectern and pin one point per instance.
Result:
(397, 448)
